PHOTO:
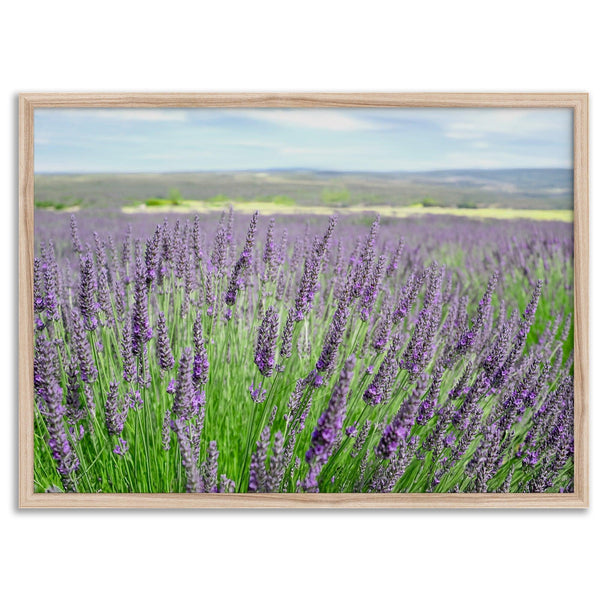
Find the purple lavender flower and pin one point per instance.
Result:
(566, 328)
(469, 337)
(81, 345)
(219, 251)
(63, 453)
(351, 431)
(38, 292)
(115, 411)
(462, 386)
(307, 289)
(394, 261)
(244, 261)
(484, 462)
(264, 355)
(371, 290)
(153, 256)
(381, 335)
(126, 251)
(310, 276)
(74, 409)
(408, 296)
(427, 406)
(100, 251)
(197, 240)
(134, 400)
(194, 483)
(362, 267)
(398, 430)
(276, 465)
(104, 298)
(269, 250)
(258, 393)
(166, 431)
(210, 469)
(295, 404)
(141, 332)
(531, 458)
(201, 364)
(520, 338)
(380, 388)
(45, 367)
(76, 242)
(120, 300)
(330, 422)
(188, 286)
(88, 306)
(122, 447)
(127, 358)
(180, 249)
(326, 361)
(163, 345)
(183, 400)
(418, 352)
(285, 350)
(51, 282)
(498, 352)
(329, 426)
(258, 466)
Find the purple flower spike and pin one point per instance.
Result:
(399, 429)
(115, 410)
(329, 427)
(163, 345)
(201, 364)
(326, 361)
(140, 324)
(88, 306)
(380, 388)
(183, 401)
(258, 394)
(264, 355)
(122, 447)
(244, 261)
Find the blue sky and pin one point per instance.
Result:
(383, 139)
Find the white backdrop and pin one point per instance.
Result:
(279, 46)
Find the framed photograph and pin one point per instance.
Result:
(303, 300)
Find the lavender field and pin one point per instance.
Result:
(257, 354)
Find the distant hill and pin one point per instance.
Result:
(506, 188)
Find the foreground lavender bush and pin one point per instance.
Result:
(250, 355)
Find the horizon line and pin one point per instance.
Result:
(305, 169)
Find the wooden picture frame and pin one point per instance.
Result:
(29, 102)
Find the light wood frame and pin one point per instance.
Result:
(28, 102)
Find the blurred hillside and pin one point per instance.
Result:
(522, 188)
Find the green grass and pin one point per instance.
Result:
(164, 202)
(284, 205)
(66, 203)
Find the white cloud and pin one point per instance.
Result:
(477, 123)
(318, 150)
(313, 118)
(252, 144)
(463, 131)
(117, 114)
(518, 123)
